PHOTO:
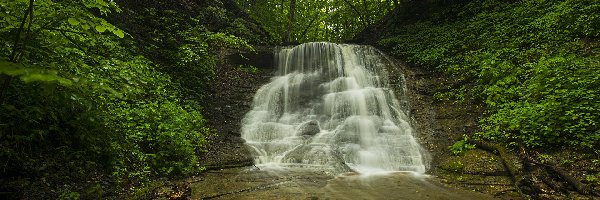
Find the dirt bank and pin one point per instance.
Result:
(228, 99)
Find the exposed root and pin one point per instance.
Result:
(513, 171)
(522, 181)
(574, 183)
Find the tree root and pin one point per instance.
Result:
(551, 167)
(520, 181)
(576, 184)
(512, 170)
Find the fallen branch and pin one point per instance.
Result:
(579, 187)
(513, 171)
(517, 178)
(500, 151)
(576, 184)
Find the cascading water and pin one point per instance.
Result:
(329, 107)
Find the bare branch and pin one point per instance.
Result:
(13, 54)
(362, 18)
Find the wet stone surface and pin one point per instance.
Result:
(226, 102)
(297, 183)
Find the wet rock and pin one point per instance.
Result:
(236, 139)
(303, 183)
(296, 155)
(309, 128)
(340, 165)
(227, 101)
(329, 158)
(233, 134)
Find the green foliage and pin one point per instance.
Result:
(461, 146)
(30, 74)
(77, 105)
(534, 64)
(593, 178)
(321, 20)
(544, 158)
(185, 48)
(69, 196)
(454, 166)
(248, 69)
(195, 63)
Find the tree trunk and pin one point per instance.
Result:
(289, 36)
(303, 35)
(14, 55)
(360, 16)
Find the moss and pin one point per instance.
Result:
(453, 165)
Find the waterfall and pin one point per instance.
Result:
(330, 107)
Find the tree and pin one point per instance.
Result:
(331, 20)
(289, 36)
(77, 103)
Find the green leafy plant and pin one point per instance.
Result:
(534, 64)
(454, 166)
(78, 106)
(316, 20)
(593, 178)
(69, 196)
(461, 146)
(248, 69)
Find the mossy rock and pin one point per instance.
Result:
(478, 161)
(473, 162)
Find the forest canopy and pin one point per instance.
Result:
(298, 21)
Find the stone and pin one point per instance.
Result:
(309, 128)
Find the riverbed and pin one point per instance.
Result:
(271, 182)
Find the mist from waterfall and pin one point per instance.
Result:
(330, 107)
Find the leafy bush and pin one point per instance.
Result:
(76, 104)
(461, 146)
(535, 65)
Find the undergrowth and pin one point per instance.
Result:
(534, 64)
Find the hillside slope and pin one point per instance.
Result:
(533, 68)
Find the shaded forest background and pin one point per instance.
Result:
(102, 98)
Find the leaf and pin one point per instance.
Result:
(100, 29)
(32, 74)
(119, 33)
(73, 21)
(46, 77)
(85, 27)
(10, 68)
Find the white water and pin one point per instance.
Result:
(330, 107)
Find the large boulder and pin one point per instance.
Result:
(309, 128)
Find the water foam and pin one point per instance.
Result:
(330, 107)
